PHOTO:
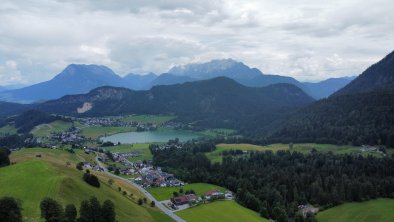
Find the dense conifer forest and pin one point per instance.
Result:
(275, 184)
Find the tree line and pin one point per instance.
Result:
(275, 184)
(52, 211)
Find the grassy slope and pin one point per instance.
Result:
(33, 178)
(143, 148)
(166, 192)
(375, 210)
(44, 130)
(8, 129)
(216, 156)
(228, 211)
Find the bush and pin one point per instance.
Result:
(80, 166)
(4, 159)
(91, 179)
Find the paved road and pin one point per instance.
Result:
(146, 193)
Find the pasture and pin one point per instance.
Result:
(54, 175)
(305, 148)
(44, 130)
(374, 210)
(165, 193)
(143, 148)
(228, 211)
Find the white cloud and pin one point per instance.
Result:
(304, 39)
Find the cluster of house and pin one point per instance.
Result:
(184, 199)
(87, 165)
(152, 177)
(105, 121)
(70, 136)
(165, 146)
(211, 195)
(367, 148)
(146, 174)
(307, 209)
(122, 157)
(116, 122)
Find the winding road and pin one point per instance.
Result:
(145, 192)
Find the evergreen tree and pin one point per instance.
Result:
(70, 213)
(10, 210)
(51, 210)
(84, 212)
(108, 211)
(4, 159)
(95, 208)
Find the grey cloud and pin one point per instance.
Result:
(307, 40)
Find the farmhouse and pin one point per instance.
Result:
(185, 199)
(214, 194)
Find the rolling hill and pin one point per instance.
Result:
(51, 176)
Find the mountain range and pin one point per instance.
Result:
(72, 80)
(217, 102)
(325, 88)
(76, 79)
(360, 113)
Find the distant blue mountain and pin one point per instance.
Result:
(169, 79)
(234, 70)
(11, 87)
(139, 82)
(77, 79)
(327, 87)
(74, 79)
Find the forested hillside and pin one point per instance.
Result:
(360, 113)
(219, 102)
(358, 119)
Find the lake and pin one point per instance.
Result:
(150, 136)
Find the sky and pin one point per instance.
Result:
(308, 40)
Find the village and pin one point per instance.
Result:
(147, 176)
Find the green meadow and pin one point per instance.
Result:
(54, 175)
(7, 129)
(306, 148)
(228, 211)
(140, 147)
(165, 193)
(379, 210)
(45, 130)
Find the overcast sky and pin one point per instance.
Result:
(308, 40)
